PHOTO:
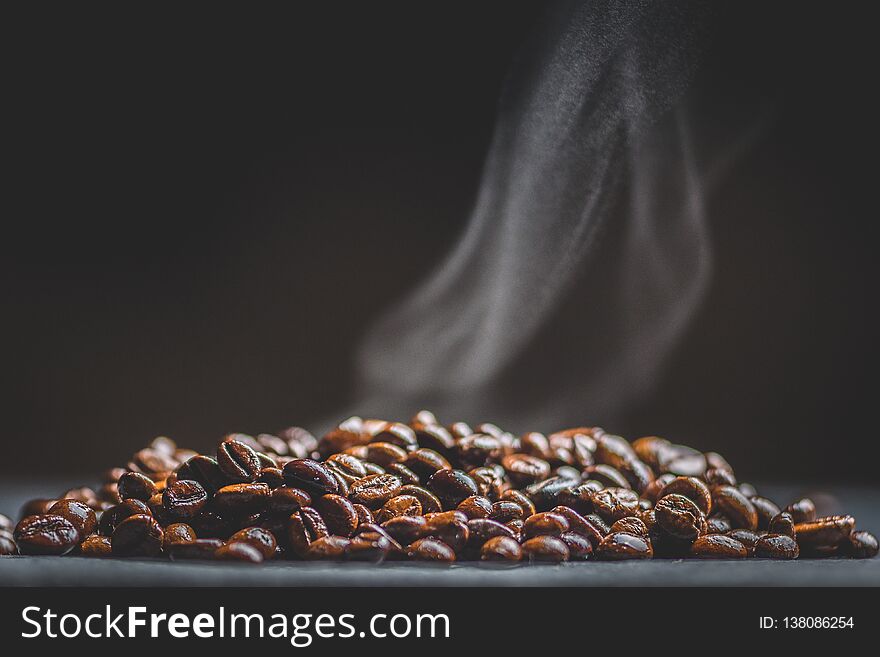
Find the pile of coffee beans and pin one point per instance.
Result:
(374, 490)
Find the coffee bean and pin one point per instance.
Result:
(615, 503)
(261, 539)
(37, 507)
(178, 532)
(861, 545)
(365, 516)
(397, 434)
(242, 499)
(116, 514)
(272, 477)
(524, 470)
(80, 516)
(430, 549)
(6, 523)
(501, 548)
(138, 536)
(545, 524)
(693, 489)
(766, 511)
(718, 546)
(620, 546)
(204, 470)
(311, 476)
(678, 516)
(46, 534)
(549, 493)
(452, 486)
(505, 511)
(238, 551)
(630, 525)
(545, 549)
(776, 546)
(134, 485)
(716, 477)
(450, 529)
(201, 548)
(96, 546)
(284, 501)
(489, 481)
(385, 454)
(802, 511)
(717, 524)
(349, 467)
(475, 506)
(374, 490)
(435, 437)
(400, 505)
(406, 529)
(339, 514)
(403, 473)
(782, 523)
(682, 461)
(304, 527)
(476, 450)
(735, 506)
(184, 499)
(238, 462)
(830, 531)
(579, 546)
(606, 475)
(481, 530)
(328, 548)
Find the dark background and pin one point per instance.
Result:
(201, 212)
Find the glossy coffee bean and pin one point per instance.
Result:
(238, 551)
(615, 503)
(501, 549)
(36, 507)
(310, 476)
(45, 534)
(373, 491)
(7, 543)
(406, 529)
(475, 506)
(776, 546)
(184, 499)
(338, 513)
(593, 529)
(178, 532)
(242, 499)
(718, 546)
(489, 481)
(430, 549)
(693, 489)
(717, 524)
(435, 437)
(545, 549)
(134, 485)
(257, 537)
(861, 545)
(238, 462)
(80, 516)
(678, 516)
(304, 527)
(384, 454)
(284, 501)
(825, 532)
(782, 523)
(745, 536)
(201, 548)
(96, 546)
(505, 511)
(400, 505)
(349, 467)
(736, 507)
(521, 499)
(579, 546)
(137, 536)
(452, 531)
(545, 524)
(631, 525)
(481, 530)
(272, 477)
(365, 516)
(803, 510)
(204, 470)
(116, 514)
(406, 476)
(524, 470)
(715, 477)
(766, 511)
(452, 486)
(397, 434)
(620, 546)
(552, 492)
(606, 475)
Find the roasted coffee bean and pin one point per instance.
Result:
(501, 548)
(782, 523)
(266, 461)
(7, 543)
(209, 524)
(261, 539)
(615, 503)
(423, 417)
(489, 481)
(579, 546)
(747, 489)
(116, 514)
(384, 454)
(311, 476)
(365, 516)
(824, 532)
(328, 547)
(745, 536)
(369, 546)
(242, 499)
(545, 549)
(349, 467)
(861, 545)
(606, 475)
(476, 450)
(766, 511)
(678, 516)
(78, 514)
(693, 489)
(648, 449)
(516, 526)
(520, 498)
(630, 525)
(453, 532)
(425, 462)
(638, 475)
(547, 494)
(238, 551)
(406, 476)
(505, 511)
(545, 524)
(481, 530)
(718, 546)
(406, 529)
(682, 461)
(430, 549)
(452, 486)
(460, 430)
(304, 527)
(178, 532)
(400, 505)
(138, 536)
(735, 506)
(524, 470)
(201, 548)
(613, 450)
(96, 546)
(802, 511)
(341, 439)
(134, 485)
(151, 461)
(397, 434)
(374, 490)
(338, 513)
(435, 437)
(717, 524)
(6, 523)
(620, 546)
(568, 472)
(37, 507)
(475, 506)
(716, 477)
(284, 501)
(238, 461)
(776, 546)
(593, 529)
(272, 477)
(204, 470)
(184, 499)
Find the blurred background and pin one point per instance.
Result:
(204, 214)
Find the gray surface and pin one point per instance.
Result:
(77, 571)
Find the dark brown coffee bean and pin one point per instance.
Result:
(96, 546)
(545, 524)
(400, 505)
(781, 523)
(242, 499)
(238, 461)
(715, 477)
(693, 489)
(649, 448)
(615, 503)
(204, 470)
(631, 525)
(150, 461)
(521, 499)
(594, 529)
(452, 486)
(545, 549)
(7, 543)
(452, 531)
(311, 476)
(272, 477)
(606, 475)
(481, 530)
(579, 546)
(745, 536)
(430, 549)
(475, 506)
(861, 545)
(116, 514)
(45, 534)
(374, 490)
(134, 485)
(184, 499)
(476, 450)
(369, 546)
(766, 511)
(261, 539)
(504, 511)
(238, 551)
(341, 439)
(350, 467)
(620, 546)
(524, 470)
(825, 532)
(747, 489)
(403, 473)
(682, 461)
(776, 546)
(338, 513)
(201, 548)
(397, 434)
(435, 437)
(489, 481)
(501, 548)
(284, 501)
(138, 536)
(551, 492)
(423, 418)
(717, 524)
(718, 546)
(653, 490)
(638, 475)
(425, 462)
(80, 515)
(735, 506)
(460, 429)
(37, 507)
(802, 511)
(304, 527)
(328, 548)
(365, 516)
(385, 454)
(406, 529)
(678, 516)
(178, 532)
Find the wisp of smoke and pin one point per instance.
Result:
(588, 234)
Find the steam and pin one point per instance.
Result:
(589, 228)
